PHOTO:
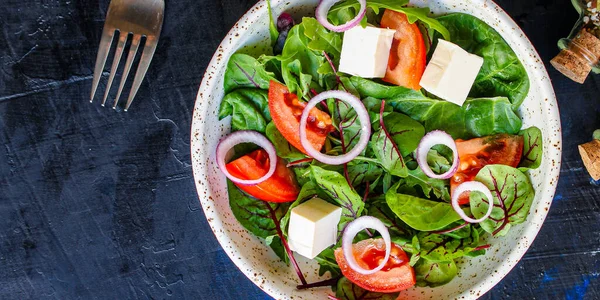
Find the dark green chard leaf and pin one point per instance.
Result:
(513, 195)
(405, 132)
(533, 148)
(282, 146)
(327, 263)
(396, 226)
(386, 150)
(434, 274)
(428, 185)
(441, 248)
(488, 116)
(347, 122)
(502, 74)
(248, 108)
(245, 71)
(421, 214)
(259, 217)
(363, 172)
(336, 187)
(346, 290)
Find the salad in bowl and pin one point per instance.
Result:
(374, 149)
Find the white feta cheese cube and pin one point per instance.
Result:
(313, 227)
(365, 51)
(451, 72)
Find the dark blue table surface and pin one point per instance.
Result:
(101, 204)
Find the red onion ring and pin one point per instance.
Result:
(356, 226)
(365, 124)
(240, 137)
(472, 186)
(324, 7)
(437, 137)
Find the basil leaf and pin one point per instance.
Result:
(248, 108)
(421, 214)
(346, 290)
(434, 274)
(245, 71)
(502, 74)
(532, 149)
(513, 195)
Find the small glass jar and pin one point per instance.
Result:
(580, 52)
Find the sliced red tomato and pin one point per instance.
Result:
(408, 55)
(397, 275)
(286, 111)
(281, 187)
(474, 154)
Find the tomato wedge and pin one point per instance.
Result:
(397, 275)
(286, 111)
(408, 55)
(281, 187)
(474, 154)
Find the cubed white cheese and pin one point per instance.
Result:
(365, 51)
(313, 227)
(451, 72)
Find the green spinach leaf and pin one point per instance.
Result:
(248, 108)
(245, 71)
(346, 10)
(421, 214)
(532, 149)
(513, 195)
(502, 74)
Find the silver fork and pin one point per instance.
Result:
(141, 18)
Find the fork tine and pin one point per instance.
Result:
(135, 43)
(115, 64)
(148, 52)
(105, 43)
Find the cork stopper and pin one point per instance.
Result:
(577, 60)
(590, 154)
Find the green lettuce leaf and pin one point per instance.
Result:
(502, 74)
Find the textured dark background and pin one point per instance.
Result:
(101, 204)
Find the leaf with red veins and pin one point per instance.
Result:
(532, 148)
(513, 195)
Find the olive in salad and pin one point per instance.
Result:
(374, 139)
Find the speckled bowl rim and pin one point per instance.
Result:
(201, 161)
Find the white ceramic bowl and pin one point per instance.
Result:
(476, 275)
